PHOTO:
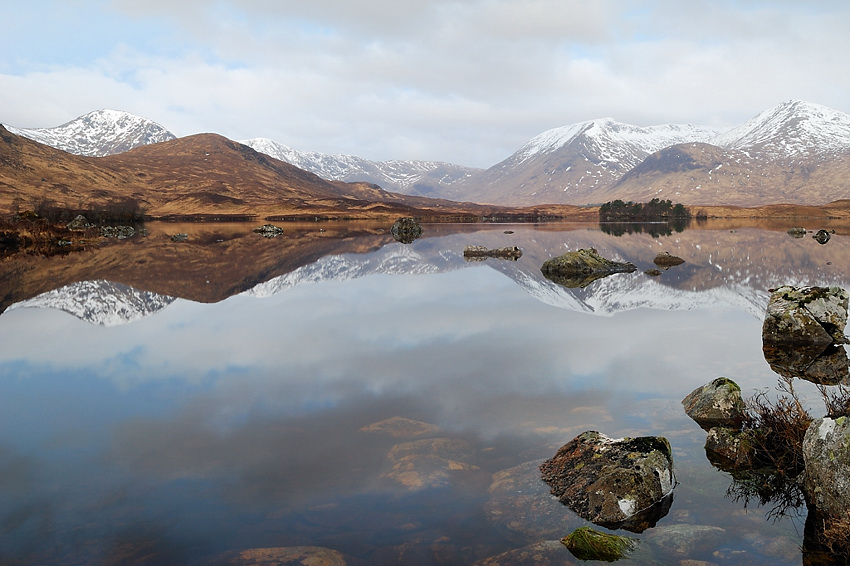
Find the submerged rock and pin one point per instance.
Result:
(269, 231)
(622, 483)
(826, 453)
(587, 544)
(718, 403)
(806, 317)
(545, 553)
(281, 556)
(405, 230)
(582, 267)
(797, 232)
(664, 259)
(481, 253)
(429, 463)
(821, 237)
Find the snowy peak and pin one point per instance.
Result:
(99, 133)
(793, 128)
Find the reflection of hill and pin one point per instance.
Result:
(724, 268)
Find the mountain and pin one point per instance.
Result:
(422, 178)
(99, 133)
(204, 174)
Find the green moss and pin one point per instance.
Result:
(587, 544)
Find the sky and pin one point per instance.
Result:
(461, 81)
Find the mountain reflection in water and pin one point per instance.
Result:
(383, 400)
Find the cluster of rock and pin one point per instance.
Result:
(480, 253)
(79, 223)
(119, 232)
(821, 236)
(269, 231)
(406, 230)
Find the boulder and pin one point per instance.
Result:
(718, 403)
(821, 237)
(623, 483)
(119, 232)
(730, 449)
(269, 231)
(824, 367)
(826, 453)
(797, 232)
(79, 223)
(582, 267)
(806, 317)
(588, 544)
(664, 259)
(405, 230)
(476, 253)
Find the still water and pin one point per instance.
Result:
(390, 405)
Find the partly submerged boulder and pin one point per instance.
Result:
(269, 231)
(582, 267)
(826, 453)
(718, 403)
(797, 232)
(731, 449)
(625, 483)
(828, 367)
(821, 237)
(479, 253)
(665, 260)
(79, 223)
(806, 317)
(405, 230)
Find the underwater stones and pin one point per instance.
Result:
(613, 483)
(581, 267)
(428, 463)
(544, 553)
(718, 403)
(269, 231)
(401, 427)
(808, 317)
(821, 237)
(281, 556)
(405, 230)
(826, 452)
(686, 539)
(665, 260)
(479, 253)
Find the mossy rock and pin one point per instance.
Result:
(587, 544)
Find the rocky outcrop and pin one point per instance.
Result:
(625, 483)
(269, 231)
(826, 452)
(405, 230)
(718, 403)
(480, 253)
(582, 267)
(806, 317)
(666, 260)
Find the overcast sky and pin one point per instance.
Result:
(464, 81)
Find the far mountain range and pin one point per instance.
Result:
(796, 152)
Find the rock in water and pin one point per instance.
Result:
(826, 452)
(405, 230)
(797, 232)
(613, 482)
(666, 260)
(718, 403)
(587, 544)
(269, 231)
(482, 253)
(821, 237)
(806, 317)
(582, 267)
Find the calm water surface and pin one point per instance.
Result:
(390, 405)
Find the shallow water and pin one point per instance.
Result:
(371, 403)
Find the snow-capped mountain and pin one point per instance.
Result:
(99, 302)
(98, 133)
(422, 178)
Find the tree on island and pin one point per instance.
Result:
(656, 209)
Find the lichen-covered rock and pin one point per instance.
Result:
(718, 403)
(582, 267)
(269, 231)
(730, 449)
(664, 259)
(608, 481)
(79, 223)
(826, 453)
(824, 367)
(810, 317)
(405, 230)
(481, 253)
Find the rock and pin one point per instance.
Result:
(587, 544)
(269, 231)
(797, 232)
(827, 367)
(79, 223)
(821, 237)
(826, 453)
(545, 553)
(718, 403)
(429, 463)
(182, 237)
(521, 506)
(582, 267)
(806, 317)
(664, 259)
(281, 556)
(480, 252)
(730, 449)
(653, 272)
(622, 483)
(405, 230)
(401, 427)
(687, 540)
(120, 232)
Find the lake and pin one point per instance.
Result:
(373, 402)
